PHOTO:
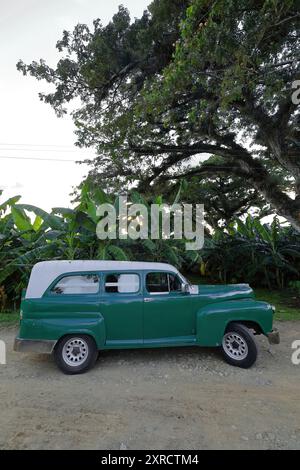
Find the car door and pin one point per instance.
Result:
(168, 313)
(72, 299)
(122, 308)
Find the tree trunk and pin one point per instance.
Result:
(283, 204)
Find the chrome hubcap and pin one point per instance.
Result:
(235, 346)
(75, 352)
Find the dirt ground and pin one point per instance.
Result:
(153, 399)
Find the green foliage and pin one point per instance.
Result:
(253, 252)
(71, 234)
(9, 318)
(224, 198)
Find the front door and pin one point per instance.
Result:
(122, 308)
(168, 313)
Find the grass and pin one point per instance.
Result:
(9, 318)
(283, 300)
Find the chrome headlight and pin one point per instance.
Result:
(273, 309)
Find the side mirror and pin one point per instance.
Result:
(185, 288)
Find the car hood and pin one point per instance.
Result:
(223, 292)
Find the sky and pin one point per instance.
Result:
(32, 139)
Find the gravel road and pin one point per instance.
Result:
(184, 398)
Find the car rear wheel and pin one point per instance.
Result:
(75, 354)
(238, 346)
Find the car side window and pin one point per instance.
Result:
(157, 283)
(162, 283)
(122, 283)
(83, 284)
(175, 283)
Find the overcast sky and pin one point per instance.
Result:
(29, 128)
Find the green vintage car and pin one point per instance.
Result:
(74, 309)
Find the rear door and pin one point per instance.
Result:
(72, 299)
(122, 308)
(168, 313)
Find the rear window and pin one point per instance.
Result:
(122, 283)
(84, 284)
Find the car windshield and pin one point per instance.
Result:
(184, 279)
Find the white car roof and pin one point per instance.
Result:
(45, 272)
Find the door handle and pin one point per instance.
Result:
(148, 299)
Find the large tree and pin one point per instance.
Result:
(225, 198)
(187, 80)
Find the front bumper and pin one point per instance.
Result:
(274, 337)
(30, 345)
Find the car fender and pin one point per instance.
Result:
(213, 319)
(57, 326)
(94, 327)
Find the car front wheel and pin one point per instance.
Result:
(238, 346)
(75, 354)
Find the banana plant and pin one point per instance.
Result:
(254, 252)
